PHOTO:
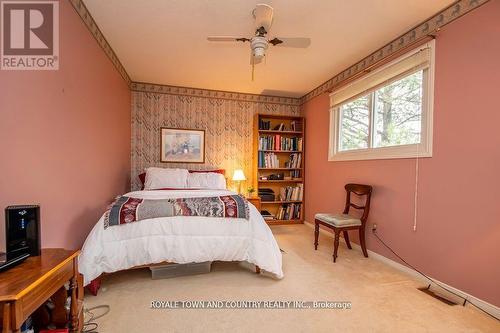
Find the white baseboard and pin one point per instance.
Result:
(490, 308)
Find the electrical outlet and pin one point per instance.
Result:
(374, 226)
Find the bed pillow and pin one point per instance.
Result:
(142, 176)
(206, 180)
(158, 178)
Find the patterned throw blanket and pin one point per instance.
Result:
(126, 210)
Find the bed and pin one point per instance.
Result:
(180, 239)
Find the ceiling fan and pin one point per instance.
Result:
(259, 43)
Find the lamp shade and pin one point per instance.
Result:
(239, 175)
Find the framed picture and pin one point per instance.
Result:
(182, 145)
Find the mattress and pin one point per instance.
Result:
(180, 239)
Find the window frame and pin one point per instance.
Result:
(422, 149)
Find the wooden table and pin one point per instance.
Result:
(25, 287)
(255, 201)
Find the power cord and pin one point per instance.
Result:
(374, 231)
(90, 326)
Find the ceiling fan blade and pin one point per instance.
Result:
(263, 16)
(298, 42)
(227, 39)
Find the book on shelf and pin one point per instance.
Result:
(268, 160)
(264, 125)
(292, 193)
(294, 161)
(267, 195)
(289, 212)
(280, 127)
(277, 142)
(267, 216)
(296, 126)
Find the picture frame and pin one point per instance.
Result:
(182, 145)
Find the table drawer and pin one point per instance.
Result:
(46, 288)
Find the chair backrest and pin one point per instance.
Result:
(360, 190)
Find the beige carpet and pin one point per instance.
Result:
(383, 299)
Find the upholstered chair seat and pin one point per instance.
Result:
(338, 220)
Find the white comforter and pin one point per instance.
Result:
(179, 239)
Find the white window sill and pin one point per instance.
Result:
(403, 151)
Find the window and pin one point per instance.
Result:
(387, 114)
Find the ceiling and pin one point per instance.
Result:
(164, 41)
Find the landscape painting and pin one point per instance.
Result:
(182, 145)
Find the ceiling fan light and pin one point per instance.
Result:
(259, 52)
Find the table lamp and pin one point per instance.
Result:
(238, 176)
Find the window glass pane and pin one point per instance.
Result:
(398, 112)
(354, 124)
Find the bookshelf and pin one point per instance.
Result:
(279, 149)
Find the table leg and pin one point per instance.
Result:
(59, 314)
(79, 296)
(6, 317)
(73, 286)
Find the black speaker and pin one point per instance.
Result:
(22, 226)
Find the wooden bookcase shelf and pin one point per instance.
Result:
(279, 132)
(283, 222)
(282, 181)
(280, 138)
(281, 151)
(280, 202)
(280, 168)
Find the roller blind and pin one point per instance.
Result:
(405, 66)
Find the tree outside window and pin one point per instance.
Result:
(388, 116)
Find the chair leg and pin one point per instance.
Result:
(316, 235)
(347, 241)
(362, 241)
(336, 245)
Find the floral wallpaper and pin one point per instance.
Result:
(228, 125)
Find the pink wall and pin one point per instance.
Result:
(458, 236)
(65, 136)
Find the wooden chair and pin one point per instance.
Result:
(344, 222)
